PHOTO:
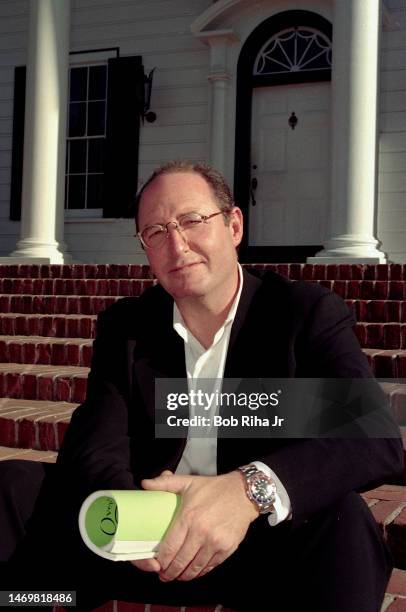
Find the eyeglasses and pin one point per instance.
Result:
(154, 236)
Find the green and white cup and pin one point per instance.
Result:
(126, 525)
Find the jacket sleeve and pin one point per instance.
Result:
(95, 452)
(318, 472)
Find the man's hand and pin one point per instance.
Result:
(213, 518)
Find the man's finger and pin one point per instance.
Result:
(168, 482)
(147, 565)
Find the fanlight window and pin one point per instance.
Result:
(300, 49)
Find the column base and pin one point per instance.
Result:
(350, 248)
(28, 250)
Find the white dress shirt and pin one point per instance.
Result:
(200, 454)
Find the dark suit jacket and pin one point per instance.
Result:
(281, 329)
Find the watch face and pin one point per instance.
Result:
(262, 490)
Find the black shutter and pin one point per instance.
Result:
(18, 143)
(125, 97)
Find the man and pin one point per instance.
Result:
(310, 540)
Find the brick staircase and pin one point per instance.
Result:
(47, 323)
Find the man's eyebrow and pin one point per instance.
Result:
(185, 212)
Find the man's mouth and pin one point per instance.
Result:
(184, 267)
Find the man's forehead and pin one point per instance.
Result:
(181, 191)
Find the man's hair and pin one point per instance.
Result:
(221, 191)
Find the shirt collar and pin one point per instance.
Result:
(180, 327)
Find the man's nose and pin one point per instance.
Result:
(176, 238)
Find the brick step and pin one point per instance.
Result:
(335, 271)
(55, 304)
(292, 270)
(385, 311)
(75, 271)
(67, 286)
(34, 424)
(43, 382)
(27, 454)
(382, 335)
(55, 326)
(378, 311)
(387, 363)
(356, 289)
(46, 351)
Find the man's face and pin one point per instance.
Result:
(198, 263)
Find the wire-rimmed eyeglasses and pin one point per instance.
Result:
(154, 236)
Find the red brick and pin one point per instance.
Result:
(125, 287)
(45, 388)
(87, 356)
(50, 304)
(102, 271)
(72, 326)
(370, 272)
(60, 326)
(26, 434)
(7, 432)
(344, 272)
(61, 428)
(79, 389)
(33, 326)
(63, 389)
(46, 435)
(308, 272)
(58, 354)
(55, 270)
(78, 271)
(85, 305)
(295, 272)
(357, 272)
(15, 352)
(391, 336)
(353, 290)
(381, 290)
(332, 271)
(27, 285)
(384, 366)
(401, 363)
(392, 311)
(29, 386)
(12, 385)
(396, 290)
(85, 328)
(90, 271)
(403, 312)
(5, 303)
(375, 335)
(29, 352)
(376, 311)
(340, 287)
(73, 355)
(20, 325)
(161, 608)
(61, 304)
(44, 353)
(73, 304)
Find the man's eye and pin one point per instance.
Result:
(190, 222)
(153, 232)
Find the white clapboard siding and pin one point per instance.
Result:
(391, 218)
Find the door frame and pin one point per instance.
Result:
(246, 83)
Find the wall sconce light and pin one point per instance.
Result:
(147, 114)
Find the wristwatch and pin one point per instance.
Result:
(261, 489)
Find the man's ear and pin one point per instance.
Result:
(236, 225)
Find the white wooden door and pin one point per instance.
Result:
(292, 165)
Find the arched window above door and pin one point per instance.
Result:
(296, 49)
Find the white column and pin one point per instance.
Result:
(42, 214)
(357, 25)
(219, 80)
